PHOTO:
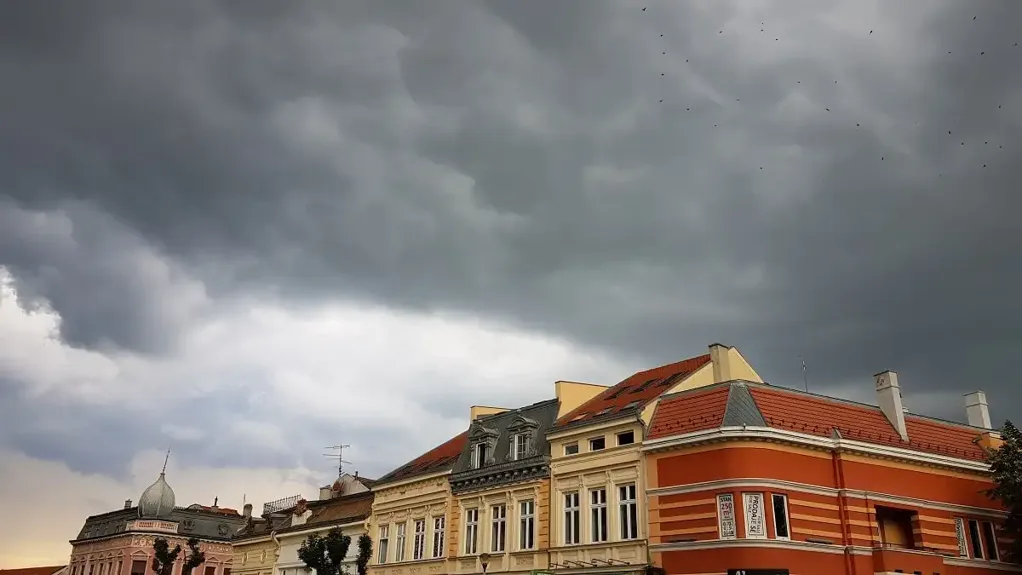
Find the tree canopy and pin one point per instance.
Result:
(365, 553)
(1006, 466)
(325, 554)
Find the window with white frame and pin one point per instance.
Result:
(571, 518)
(571, 448)
(399, 542)
(498, 522)
(419, 542)
(526, 524)
(628, 511)
(780, 504)
(439, 523)
(598, 514)
(974, 538)
(519, 446)
(990, 541)
(471, 531)
(597, 443)
(382, 541)
(478, 455)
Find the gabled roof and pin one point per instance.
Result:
(739, 403)
(336, 511)
(632, 394)
(440, 458)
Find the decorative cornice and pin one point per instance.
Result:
(501, 474)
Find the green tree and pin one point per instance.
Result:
(195, 557)
(164, 557)
(325, 554)
(365, 553)
(1006, 466)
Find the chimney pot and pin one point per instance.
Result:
(976, 409)
(247, 510)
(127, 504)
(889, 399)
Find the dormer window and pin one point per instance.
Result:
(478, 455)
(519, 446)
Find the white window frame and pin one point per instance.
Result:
(598, 516)
(618, 435)
(419, 540)
(572, 515)
(399, 542)
(383, 542)
(472, 531)
(978, 539)
(439, 527)
(995, 554)
(628, 505)
(787, 515)
(600, 438)
(519, 446)
(526, 525)
(479, 455)
(498, 528)
(569, 445)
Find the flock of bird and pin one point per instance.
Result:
(663, 53)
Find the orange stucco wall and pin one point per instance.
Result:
(820, 515)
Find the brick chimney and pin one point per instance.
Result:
(889, 400)
(127, 504)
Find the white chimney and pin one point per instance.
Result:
(247, 510)
(976, 409)
(889, 400)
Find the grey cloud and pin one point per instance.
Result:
(514, 160)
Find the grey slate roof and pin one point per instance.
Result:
(208, 525)
(496, 430)
(742, 408)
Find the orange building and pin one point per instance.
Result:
(746, 476)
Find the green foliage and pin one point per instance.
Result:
(164, 557)
(1006, 466)
(195, 557)
(325, 554)
(365, 553)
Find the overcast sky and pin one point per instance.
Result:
(250, 230)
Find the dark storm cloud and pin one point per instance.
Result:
(515, 160)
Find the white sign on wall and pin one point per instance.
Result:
(726, 515)
(963, 550)
(755, 517)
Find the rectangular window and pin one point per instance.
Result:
(211, 570)
(519, 446)
(571, 518)
(780, 502)
(419, 542)
(471, 531)
(628, 511)
(990, 541)
(383, 540)
(598, 515)
(399, 542)
(597, 443)
(137, 567)
(626, 438)
(498, 519)
(755, 520)
(478, 455)
(571, 448)
(526, 525)
(439, 524)
(726, 516)
(977, 544)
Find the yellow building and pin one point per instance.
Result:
(410, 511)
(255, 550)
(598, 516)
(501, 487)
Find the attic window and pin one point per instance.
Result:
(605, 411)
(645, 385)
(617, 392)
(580, 416)
(630, 405)
(670, 380)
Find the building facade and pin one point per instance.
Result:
(741, 475)
(350, 513)
(501, 490)
(598, 496)
(121, 542)
(410, 513)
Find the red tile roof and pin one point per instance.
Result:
(634, 392)
(704, 408)
(697, 410)
(32, 570)
(437, 459)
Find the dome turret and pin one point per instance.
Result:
(157, 500)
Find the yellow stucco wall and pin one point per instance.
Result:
(402, 503)
(254, 557)
(572, 394)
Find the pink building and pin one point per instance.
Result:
(121, 542)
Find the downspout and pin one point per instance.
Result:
(839, 480)
(276, 552)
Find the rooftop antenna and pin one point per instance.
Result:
(165, 460)
(805, 378)
(340, 457)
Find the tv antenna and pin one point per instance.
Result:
(805, 378)
(339, 456)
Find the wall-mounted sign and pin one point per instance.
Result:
(755, 520)
(726, 515)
